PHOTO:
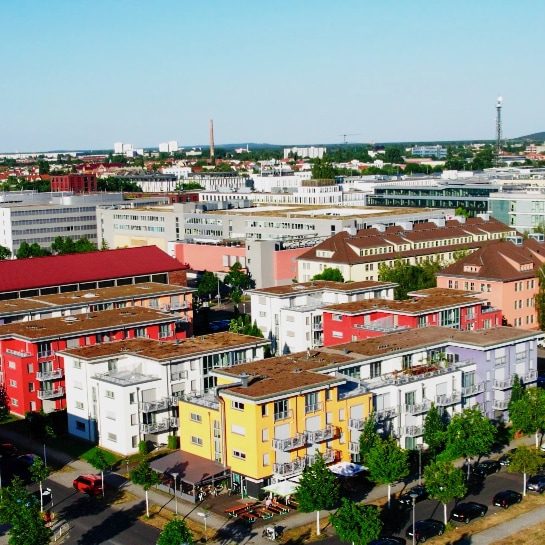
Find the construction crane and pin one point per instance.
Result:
(344, 135)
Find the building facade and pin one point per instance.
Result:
(77, 183)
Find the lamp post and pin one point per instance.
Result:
(204, 515)
(414, 496)
(175, 475)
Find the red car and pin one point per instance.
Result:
(88, 484)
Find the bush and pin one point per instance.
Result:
(143, 448)
(172, 441)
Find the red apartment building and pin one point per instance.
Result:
(360, 320)
(78, 183)
(32, 372)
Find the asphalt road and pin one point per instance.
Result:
(401, 519)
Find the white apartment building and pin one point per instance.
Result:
(267, 183)
(120, 393)
(290, 316)
(311, 152)
(168, 147)
(180, 171)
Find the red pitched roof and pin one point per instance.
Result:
(38, 272)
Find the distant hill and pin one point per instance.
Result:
(535, 137)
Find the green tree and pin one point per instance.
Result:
(410, 277)
(444, 483)
(528, 413)
(357, 524)
(4, 403)
(5, 253)
(238, 280)
(394, 154)
(208, 284)
(31, 250)
(387, 463)
(318, 489)
(461, 211)
(244, 326)
(189, 186)
(39, 473)
(322, 169)
(517, 391)
(470, 434)
(368, 437)
(144, 476)
(331, 274)
(99, 460)
(525, 460)
(435, 430)
(21, 512)
(175, 532)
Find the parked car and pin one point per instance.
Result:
(219, 325)
(26, 460)
(425, 529)
(505, 460)
(541, 381)
(474, 483)
(487, 467)
(406, 499)
(388, 540)
(465, 512)
(505, 498)
(536, 484)
(8, 450)
(88, 484)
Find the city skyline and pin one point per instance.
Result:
(82, 78)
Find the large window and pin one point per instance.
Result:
(281, 409)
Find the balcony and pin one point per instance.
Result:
(503, 384)
(206, 400)
(472, 390)
(487, 310)
(329, 456)
(290, 468)
(51, 394)
(45, 354)
(152, 406)
(174, 422)
(54, 374)
(317, 326)
(385, 414)
(285, 445)
(500, 404)
(353, 448)
(156, 427)
(18, 353)
(356, 423)
(313, 408)
(325, 434)
(446, 400)
(418, 408)
(382, 328)
(530, 376)
(412, 431)
(283, 415)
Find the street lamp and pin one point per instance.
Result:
(175, 475)
(414, 495)
(204, 515)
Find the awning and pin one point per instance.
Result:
(346, 469)
(282, 488)
(190, 468)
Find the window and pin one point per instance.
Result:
(30, 386)
(79, 405)
(265, 434)
(281, 409)
(14, 402)
(341, 415)
(140, 332)
(132, 398)
(134, 441)
(195, 417)
(112, 437)
(112, 366)
(109, 394)
(311, 402)
(30, 368)
(337, 334)
(110, 415)
(77, 364)
(80, 426)
(164, 331)
(328, 395)
(134, 419)
(376, 369)
(237, 405)
(264, 410)
(266, 459)
(237, 430)
(13, 383)
(239, 455)
(12, 365)
(196, 440)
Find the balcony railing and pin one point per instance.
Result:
(325, 434)
(283, 415)
(418, 408)
(356, 423)
(174, 422)
(313, 408)
(473, 389)
(155, 427)
(412, 431)
(329, 456)
(530, 376)
(299, 440)
(503, 384)
(204, 400)
(290, 468)
(50, 394)
(152, 406)
(384, 414)
(54, 374)
(45, 354)
(317, 326)
(500, 404)
(445, 400)
(18, 353)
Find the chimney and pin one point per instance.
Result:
(244, 379)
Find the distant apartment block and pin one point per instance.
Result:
(311, 152)
(358, 254)
(168, 147)
(437, 152)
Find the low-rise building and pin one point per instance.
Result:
(507, 272)
(270, 418)
(290, 316)
(77, 183)
(121, 393)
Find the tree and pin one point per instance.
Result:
(208, 284)
(470, 434)
(98, 459)
(244, 326)
(4, 403)
(238, 281)
(39, 473)
(144, 476)
(517, 391)
(21, 511)
(387, 463)
(175, 532)
(435, 430)
(331, 274)
(393, 154)
(5, 253)
(444, 483)
(65, 245)
(368, 437)
(358, 524)
(318, 489)
(322, 169)
(410, 277)
(525, 460)
(31, 250)
(528, 413)
(188, 186)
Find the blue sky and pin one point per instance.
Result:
(87, 73)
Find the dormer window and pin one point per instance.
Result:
(471, 268)
(324, 253)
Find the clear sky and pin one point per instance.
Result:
(87, 73)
